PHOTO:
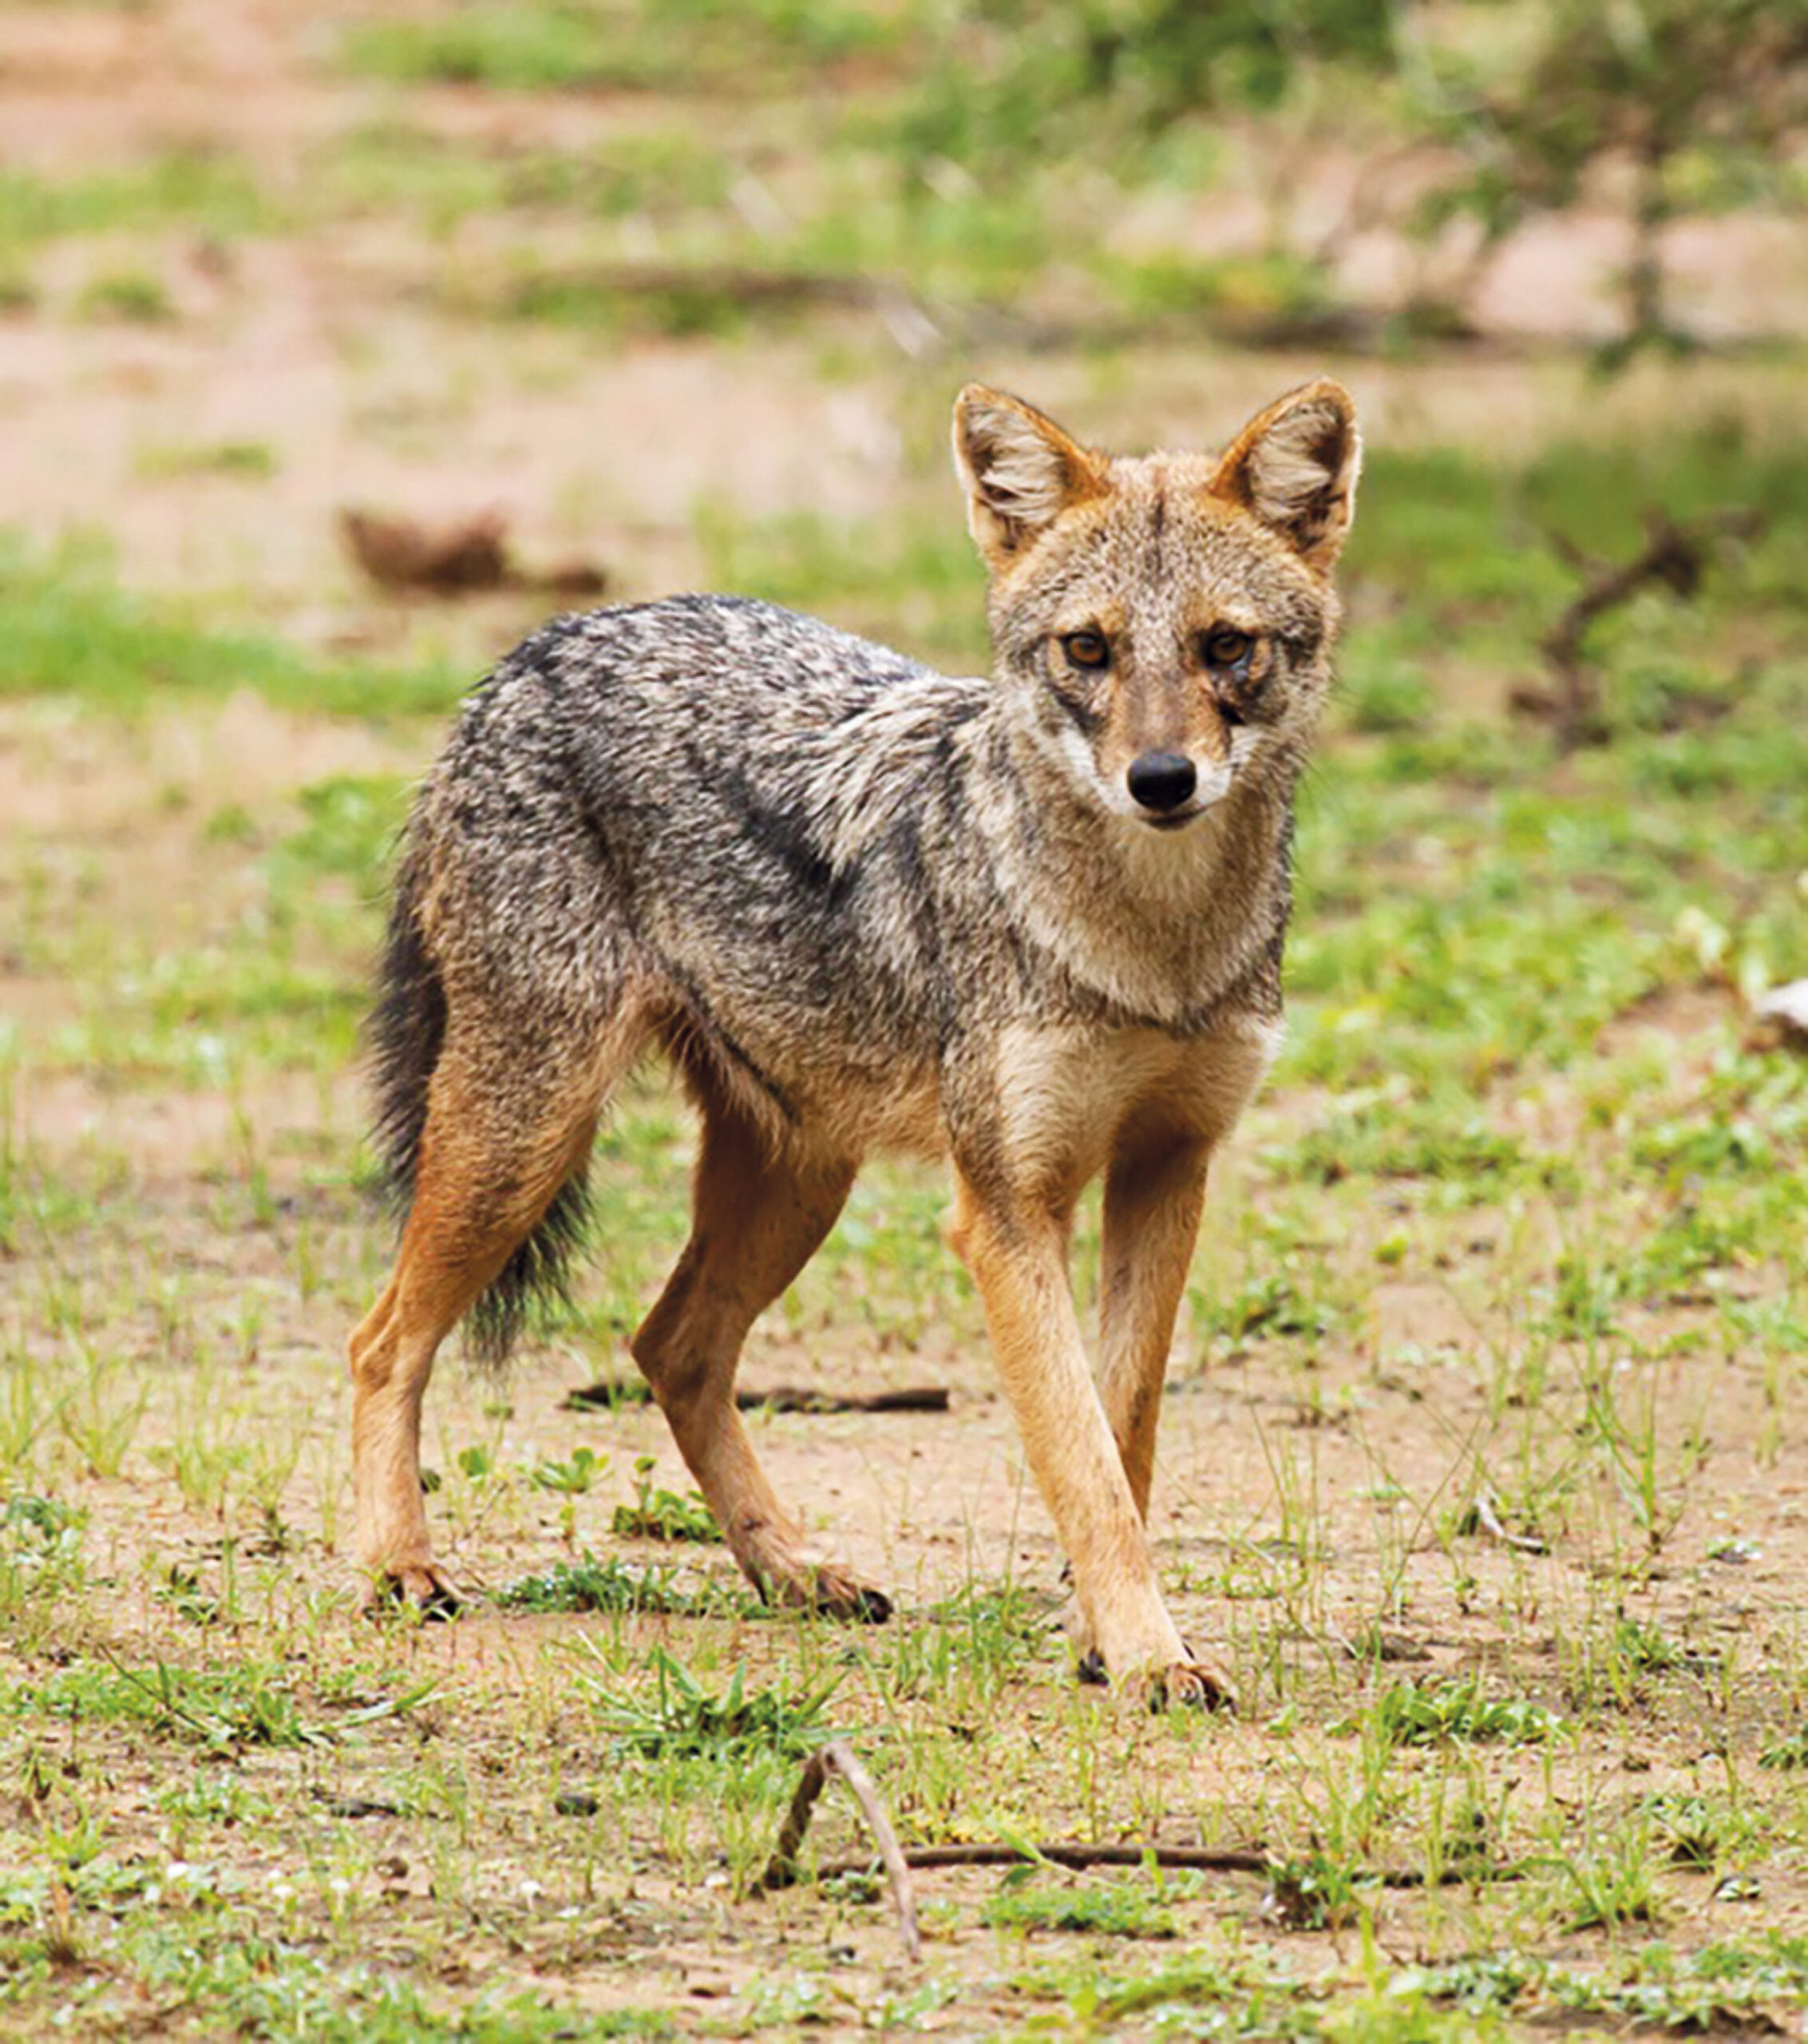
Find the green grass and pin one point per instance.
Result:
(132, 296)
(249, 461)
(663, 176)
(70, 630)
(587, 44)
(1103, 1907)
(1408, 1715)
(199, 190)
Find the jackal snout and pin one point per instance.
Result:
(1162, 781)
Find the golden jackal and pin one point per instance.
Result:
(1033, 923)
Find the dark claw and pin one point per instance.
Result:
(1091, 1669)
(1194, 1687)
(391, 1597)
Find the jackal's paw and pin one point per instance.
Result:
(423, 1586)
(1194, 1684)
(1088, 1670)
(832, 1593)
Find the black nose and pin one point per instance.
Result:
(1162, 780)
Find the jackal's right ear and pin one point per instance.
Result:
(1021, 471)
(1296, 465)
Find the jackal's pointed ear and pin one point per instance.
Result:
(1294, 465)
(1021, 471)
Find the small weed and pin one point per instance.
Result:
(215, 1796)
(131, 295)
(41, 1558)
(1271, 1304)
(573, 1476)
(1789, 1751)
(588, 1584)
(683, 1720)
(1623, 1422)
(182, 1589)
(1647, 1647)
(43, 1520)
(1700, 1832)
(1456, 1713)
(1614, 1885)
(99, 1423)
(970, 1646)
(662, 1514)
(221, 1710)
(1107, 1908)
(1316, 1893)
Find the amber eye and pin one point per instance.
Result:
(1226, 648)
(1086, 649)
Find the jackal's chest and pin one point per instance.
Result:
(1072, 1092)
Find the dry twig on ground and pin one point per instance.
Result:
(1676, 555)
(837, 1757)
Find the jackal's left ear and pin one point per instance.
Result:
(1021, 471)
(1296, 465)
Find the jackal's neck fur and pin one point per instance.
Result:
(1161, 926)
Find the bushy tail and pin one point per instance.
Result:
(406, 1033)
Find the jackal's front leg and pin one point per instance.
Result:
(1154, 1195)
(1017, 1252)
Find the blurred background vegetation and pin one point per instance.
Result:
(982, 144)
(683, 290)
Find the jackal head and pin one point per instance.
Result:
(1165, 621)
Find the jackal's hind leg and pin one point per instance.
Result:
(757, 1219)
(498, 1146)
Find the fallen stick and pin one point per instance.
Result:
(795, 1398)
(611, 1392)
(782, 1870)
(1484, 1516)
(1677, 554)
(1227, 1860)
(837, 1757)
(451, 559)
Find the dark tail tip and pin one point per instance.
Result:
(538, 1275)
